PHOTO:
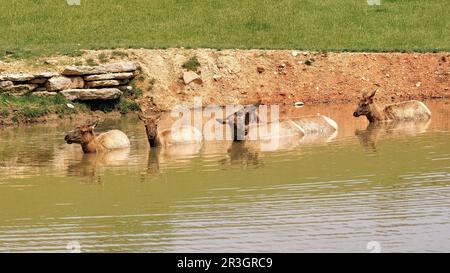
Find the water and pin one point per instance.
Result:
(389, 185)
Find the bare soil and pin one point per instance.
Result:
(274, 76)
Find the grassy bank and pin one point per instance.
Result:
(37, 27)
(31, 108)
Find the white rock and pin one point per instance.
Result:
(190, 76)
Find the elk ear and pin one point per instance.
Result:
(222, 121)
(94, 124)
(142, 117)
(372, 95)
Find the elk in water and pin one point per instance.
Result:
(183, 134)
(245, 125)
(412, 110)
(90, 143)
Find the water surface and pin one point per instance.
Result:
(390, 185)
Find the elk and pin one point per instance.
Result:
(412, 110)
(90, 143)
(245, 126)
(183, 134)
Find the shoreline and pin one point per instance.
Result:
(175, 76)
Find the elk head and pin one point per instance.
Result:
(365, 105)
(82, 134)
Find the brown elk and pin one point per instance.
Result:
(90, 143)
(183, 134)
(412, 110)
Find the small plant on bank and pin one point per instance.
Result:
(4, 113)
(192, 64)
(103, 58)
(119, 54)
(91, 62)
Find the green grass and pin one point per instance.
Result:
(40, 27)
(30, 107)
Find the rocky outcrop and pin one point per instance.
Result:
(75, 82)
(92, 94)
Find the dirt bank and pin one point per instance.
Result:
(275, 76)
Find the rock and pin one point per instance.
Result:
(295, 53)
(5, 84)
(110, 76)
(39, 81)
(298, 104)
(83, 70)
(46, 74)
(23, 77)
(105, 83)
(44, 94)
(230, 63)
(92, 94)
(77, 82)
(418, 84)
(190, 76)
(125, 88)
(60, 83)
(217, 77)
(51, 62)
(20, 89)
(260, 69)
(101, 69)
(121, 67)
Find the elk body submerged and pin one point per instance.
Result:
(412, 110)
(90, 143)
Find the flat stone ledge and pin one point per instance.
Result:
(20, 77)
(92, 94)
(109, 76)
(119, 67)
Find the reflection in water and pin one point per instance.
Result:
(322, 194)
(89, 165)
(375, 131)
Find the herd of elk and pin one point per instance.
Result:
(245, 121)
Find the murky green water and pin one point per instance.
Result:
(390, 185)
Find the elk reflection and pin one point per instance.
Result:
(89, 164)
(370, 136)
